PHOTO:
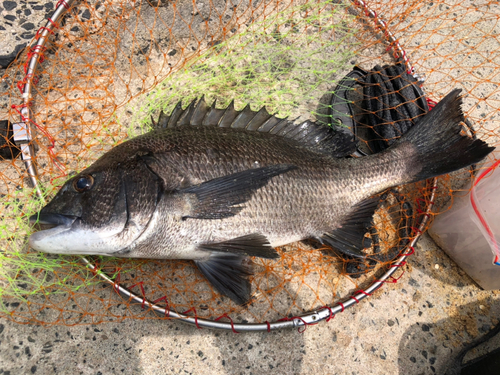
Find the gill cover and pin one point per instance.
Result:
(107, 215)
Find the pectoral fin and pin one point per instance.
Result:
(227, 268)
(223, 197)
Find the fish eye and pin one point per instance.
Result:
(83, 183)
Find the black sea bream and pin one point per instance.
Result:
(216, 186)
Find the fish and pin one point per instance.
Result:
(218, 186)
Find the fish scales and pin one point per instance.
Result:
(313, 190)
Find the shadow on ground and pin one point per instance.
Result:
(139, 347)
(433, 348)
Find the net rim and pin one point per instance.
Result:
(35, 54)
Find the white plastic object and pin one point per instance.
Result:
(470, 231)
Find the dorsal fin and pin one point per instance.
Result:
(200, 112)
(259, 119)
(337, 142)
(186, 117)
(174, 116)
(228, 116)
(213, 116)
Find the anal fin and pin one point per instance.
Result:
(350, 238)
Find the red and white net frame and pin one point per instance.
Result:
(22, 132)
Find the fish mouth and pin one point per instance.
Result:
(41, 221)
(49, 226)
(65, 234)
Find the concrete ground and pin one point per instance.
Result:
(416, 326)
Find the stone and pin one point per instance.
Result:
(17, 30)
(9, 5)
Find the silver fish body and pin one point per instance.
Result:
(216, 187)
(304, 202)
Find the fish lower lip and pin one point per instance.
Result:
(47, 221)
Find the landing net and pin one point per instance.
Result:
(97, 71)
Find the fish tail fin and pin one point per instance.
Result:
(439, 141)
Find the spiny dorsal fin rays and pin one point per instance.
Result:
(281, 128)
(214, 115)
(267, 126)
(185, 118)
(243, 118)
(322, 138)
(162, 121)
(228, 117)
(175, 115)
(200, 111)
(258, 120)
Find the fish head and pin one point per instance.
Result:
(100, 211)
